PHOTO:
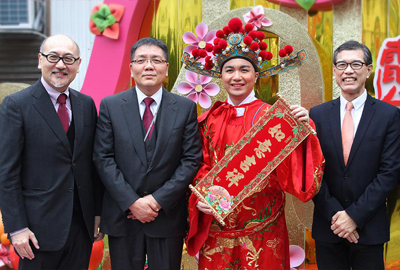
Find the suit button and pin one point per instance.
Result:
(149, 149)
(70, 190)
(346, 199)
(145, 193)
(346, 176)
(73, 164)
(149, 160)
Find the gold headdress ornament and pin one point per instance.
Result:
(234, 41)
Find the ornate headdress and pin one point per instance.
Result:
(234, 41)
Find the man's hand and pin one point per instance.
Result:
(205, 208)
(353, 237)
(144, 210)
(300, 113)
(97, 234)
(20, 241)
(344, 226)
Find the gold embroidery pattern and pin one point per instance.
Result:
(318, 173)
(272, 244)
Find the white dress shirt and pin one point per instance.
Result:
(240, 111)
(154, 106)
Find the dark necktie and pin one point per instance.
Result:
(148, 116)
(62, 111)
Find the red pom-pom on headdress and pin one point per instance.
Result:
(196, 53)
(248, 27)
(220, 34)
(254, 46)
(209, 47)
(216, 41)
(247, 40)
(217, 49)
(263, 55)
(282, 53)
(226, 30)
(223, 44)
(203, 53)
(260, 35)
(208, 65)
(269, 56)
(263, 45)
(235, 24)
(288, 49)
(253, 34)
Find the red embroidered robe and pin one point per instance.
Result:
(255, 235)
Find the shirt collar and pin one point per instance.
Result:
(53, 93)
(156, 96)
(357, 103)
(250, 98)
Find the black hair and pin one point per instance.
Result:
(149, 41)
(353, 45)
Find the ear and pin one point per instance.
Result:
(167, 69)
(257, 74)
(39, 61)
(369, 69)
(130, 68)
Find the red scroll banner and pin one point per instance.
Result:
(275, 135)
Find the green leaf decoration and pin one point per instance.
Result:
(306, 4)
(103, 18)
(280, 115)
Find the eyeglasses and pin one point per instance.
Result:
(153, 61)
(54, 58)
(356, 65)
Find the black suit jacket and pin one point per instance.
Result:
(372, 171)
(38, 168)
(120, 158)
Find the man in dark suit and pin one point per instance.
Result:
(360, 139)
(147, 151)
(49, 193)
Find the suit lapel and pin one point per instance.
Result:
(77, 114)
(130, 108)
(366, 117)
(167, 119)
(334, 114)
(46, 109)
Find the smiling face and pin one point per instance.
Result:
(351, 82)
(59, 75)
(238, 77)
(148, 76)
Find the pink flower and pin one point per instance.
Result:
(198, 89)
(199, 42)
(224, 204)
(256, 18)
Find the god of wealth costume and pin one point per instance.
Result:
(255, 235)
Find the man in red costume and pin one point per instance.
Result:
(255, 235)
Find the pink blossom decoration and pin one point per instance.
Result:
(199, 42)
(256, 18)
(198, 89)
(224, 204)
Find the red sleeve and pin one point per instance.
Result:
(301, 172)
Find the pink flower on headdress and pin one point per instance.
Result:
(198, 89)
(200, 42)
(256, 18)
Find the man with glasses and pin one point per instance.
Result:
(147, 152)
(49, 193)
(360, 139)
